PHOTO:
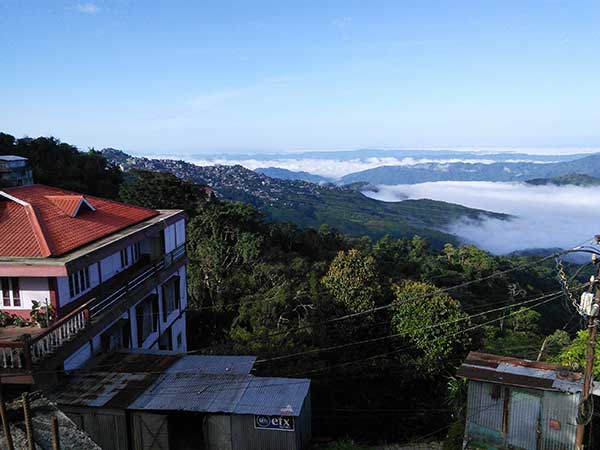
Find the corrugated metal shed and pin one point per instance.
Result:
(198, 383)
(515, 403)
(522, 372)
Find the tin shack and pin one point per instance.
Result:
(165, 401)
(520, 404)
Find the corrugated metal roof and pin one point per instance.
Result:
(194, 392)
(211, 364)
(195, 383)
(273, 396)
(102, 389)
(237, 394)
(522, 372)
(12, 158)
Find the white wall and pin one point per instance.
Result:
(177, 328)
(110, 266)
(170, 238)
(33, 288)
(79, 358)
(180, 232)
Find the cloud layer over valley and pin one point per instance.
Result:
(336, 168)
(546, 216)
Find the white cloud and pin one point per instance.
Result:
(332, 168)
(546, 216)
(87, 8)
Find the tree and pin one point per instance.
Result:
(574, 355)
(432, 324)
(158, 190)
(62, 165)
(223, 246)
(352, 280)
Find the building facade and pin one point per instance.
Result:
(14, 171)
(81, 275)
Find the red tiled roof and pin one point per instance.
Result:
(69, 204)
(42, 221)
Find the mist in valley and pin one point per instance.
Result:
(544, 216)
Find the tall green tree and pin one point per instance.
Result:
(432, 324)
(352, 280)
(223, 245)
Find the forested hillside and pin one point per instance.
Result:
(379, 325)
(310, 205)
(374, 324)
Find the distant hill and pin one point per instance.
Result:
(285, 174)
(575, 179)
(311, 205)
(367, 154)
(461, 171)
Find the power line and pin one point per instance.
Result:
(366, 341)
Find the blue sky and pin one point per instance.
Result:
(230, 76)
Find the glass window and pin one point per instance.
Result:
(6, 292)
(79, 282)
(124, 258)
(11, 295)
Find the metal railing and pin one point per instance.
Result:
(19, 355)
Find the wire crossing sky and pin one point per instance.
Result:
(249, 76)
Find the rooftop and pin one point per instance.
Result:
(12, 158)
(195, 383)
(522, 373)
(39, 221)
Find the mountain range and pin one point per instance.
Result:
(464, 171)
(311, 205)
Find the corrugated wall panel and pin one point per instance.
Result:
(107, 428)
(559, 411)
(218, 432)
(485, 406)
(524, 416)
(245, 437)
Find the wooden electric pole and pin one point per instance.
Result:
(28, 423)
(5, 423)
(589, 364)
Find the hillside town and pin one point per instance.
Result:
(94, 347)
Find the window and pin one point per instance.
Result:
(79, 282)
(147, 318)
(124, 257)
(136, 251)
(11, 296)
(170, 297)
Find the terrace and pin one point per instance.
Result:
(26, 348)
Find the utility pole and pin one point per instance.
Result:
(5, 424)
(589, 364)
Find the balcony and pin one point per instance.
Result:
(29, 348)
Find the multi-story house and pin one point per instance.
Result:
(86, 275)
(14, 171)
